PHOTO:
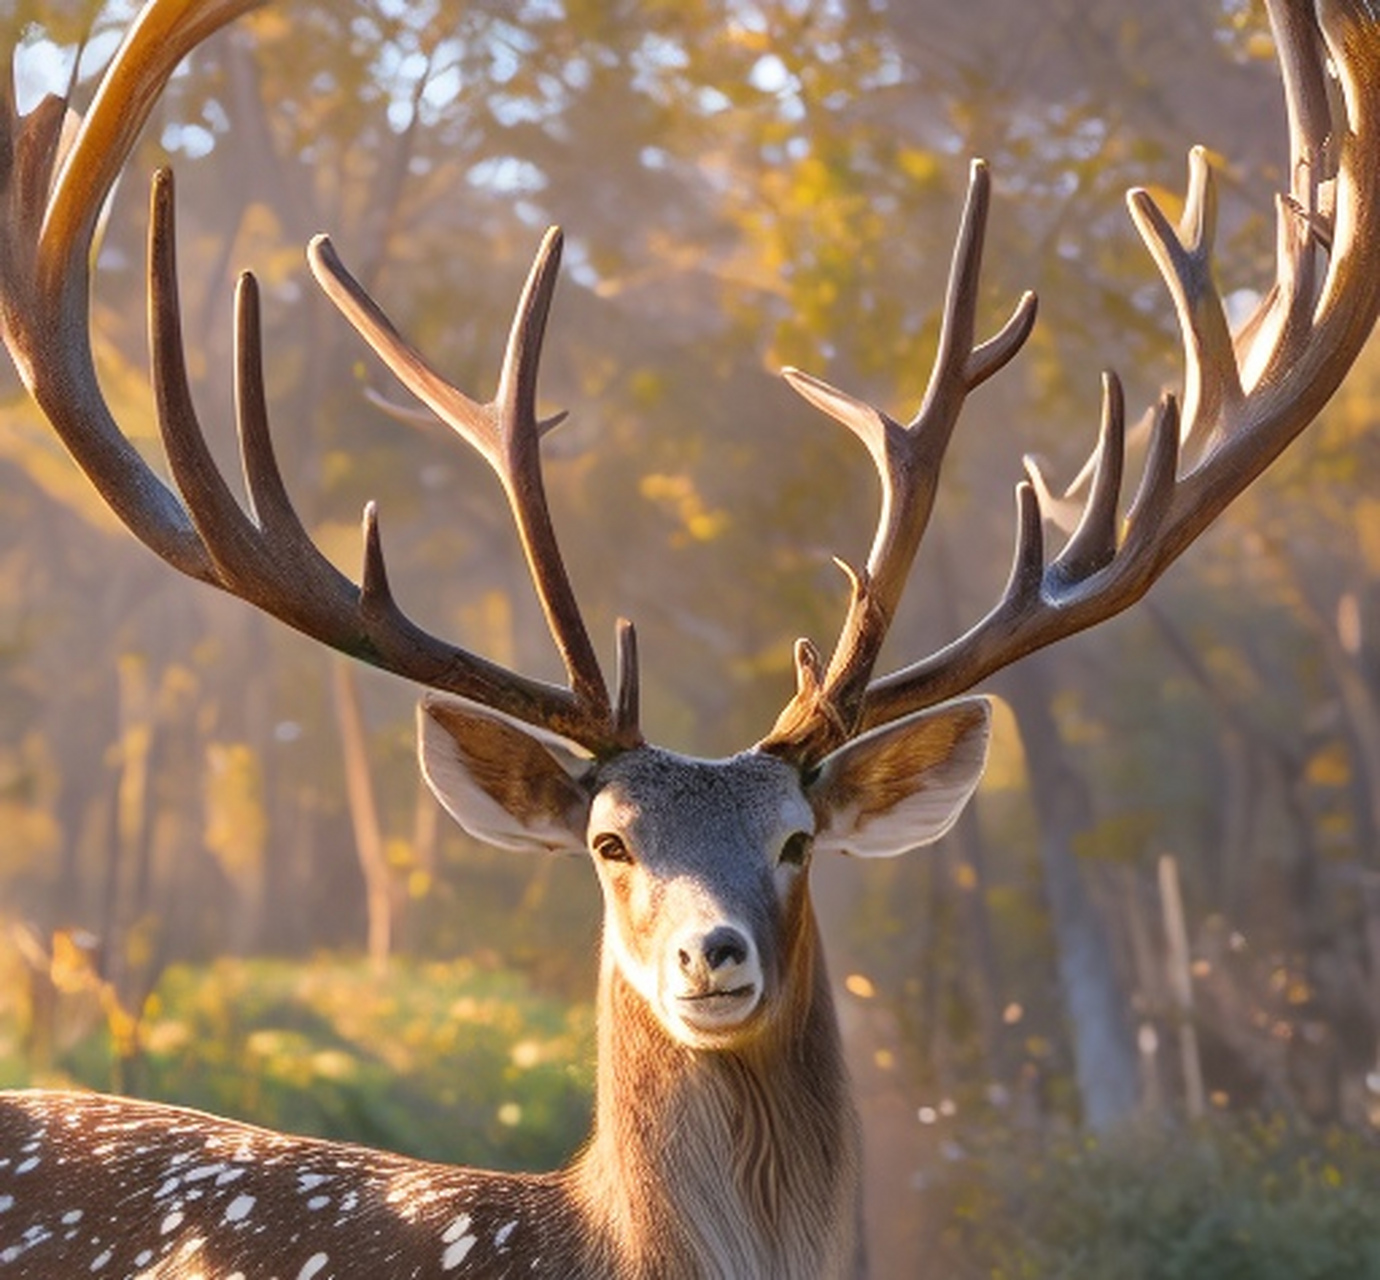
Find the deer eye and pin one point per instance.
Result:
(611, 848)
(796, 851)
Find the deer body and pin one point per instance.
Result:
(173, 1193)
(725, 1143)
(741, 1164)
(727, 1150)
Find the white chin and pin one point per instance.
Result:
(712, 1018)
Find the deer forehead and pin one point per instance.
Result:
(667, 804)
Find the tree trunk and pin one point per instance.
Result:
(1179, 968)
(1104, 1051)
(981, 970)
(359, 786)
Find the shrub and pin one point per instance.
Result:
(1236, 1199)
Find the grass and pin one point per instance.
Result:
(456, 1061)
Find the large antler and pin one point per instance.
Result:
(1246, 396)
(265, 555)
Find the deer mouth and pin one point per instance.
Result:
(718, 1010)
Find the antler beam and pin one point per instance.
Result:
(1246, 396)
(50, 201)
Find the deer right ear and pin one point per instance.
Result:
(510, 786)
(903, 785)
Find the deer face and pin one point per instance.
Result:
(704, 863)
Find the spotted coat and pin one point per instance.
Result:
(228, 1201)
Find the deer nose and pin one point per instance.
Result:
(718, 949)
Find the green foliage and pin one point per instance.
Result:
(457, 1061)
(1231, 1200)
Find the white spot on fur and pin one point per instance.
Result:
(239, 1208)
(143, 1257)
(455, 1253)
(312, 1265)
(204, 1171)
(502, 1234)
(171, 1222)
(6, 1202)
(25, 1165)
(318, 1202)
(459, 1225)
(33, 1236)
(71, 1216)
(100, 1259)
(458, 1243)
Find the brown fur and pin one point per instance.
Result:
(745, 1161)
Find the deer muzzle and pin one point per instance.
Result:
(717, 979)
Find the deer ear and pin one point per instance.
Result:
(902, 785)
(511, 786)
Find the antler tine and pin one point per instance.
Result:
(271, 561)
(1212, 385)
(1246, 396)
(1041, 602)
(53, 184)
(227, 535)
(159, 38)
(1283, 319)
(270, 506)
(507, 433)
(828, 701)
(1094, 540)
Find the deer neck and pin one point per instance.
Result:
(725, 1163)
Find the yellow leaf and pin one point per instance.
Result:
(859, 985)
(1366, 513)
(918, 165)
(1330, 767)
(72, 968)
(236, 827)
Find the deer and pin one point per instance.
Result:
(725, 1142)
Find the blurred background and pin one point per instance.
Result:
(1123, 1020)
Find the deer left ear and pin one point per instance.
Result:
(512, 786)
(902, 785)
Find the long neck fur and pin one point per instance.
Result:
(733, 1164)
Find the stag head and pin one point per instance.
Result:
(704, 863)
